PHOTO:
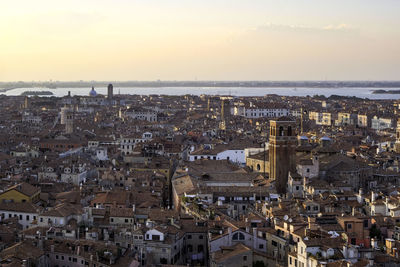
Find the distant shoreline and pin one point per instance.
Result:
(238, 84)
(37, 93)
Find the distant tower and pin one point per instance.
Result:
(110, 91)
(282, 144)
(69, 123)
(397, 144)
(26, 102)
(63, 114)
(222, 124)
(222, 110)
(208, 104)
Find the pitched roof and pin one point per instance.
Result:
(19, 207)
(25, 188)
(228, 252)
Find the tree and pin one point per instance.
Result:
(374, 232)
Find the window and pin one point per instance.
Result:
(20, 217)
(189, 236)
(349, 226)
(112, 219)
(200, 248)
(280, 131)
(261, 246)
(200, 237)
(27, 217)
(238, 236)
(126, 221)
(244, 258)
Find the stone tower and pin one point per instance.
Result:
(26, 102)
(69, 123)
(282, 145)
(397, 144)
(110, 91)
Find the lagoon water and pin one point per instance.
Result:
(236, 91)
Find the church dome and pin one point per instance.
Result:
(92, 92)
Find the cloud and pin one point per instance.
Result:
(344, 28)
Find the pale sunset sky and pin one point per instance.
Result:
(202, 39)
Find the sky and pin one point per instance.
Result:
(199, 40)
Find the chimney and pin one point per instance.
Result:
(254, 238)
(230, 236)
(40, 243)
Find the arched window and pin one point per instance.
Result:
(258, 167)
(281, 131)
(238, 236)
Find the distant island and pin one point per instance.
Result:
(394, 92)
(33, 93)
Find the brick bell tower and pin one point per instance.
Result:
(282, 151)
(397, 143)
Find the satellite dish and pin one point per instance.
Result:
(290, 220)
(285, 217)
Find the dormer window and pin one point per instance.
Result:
(238, 236)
